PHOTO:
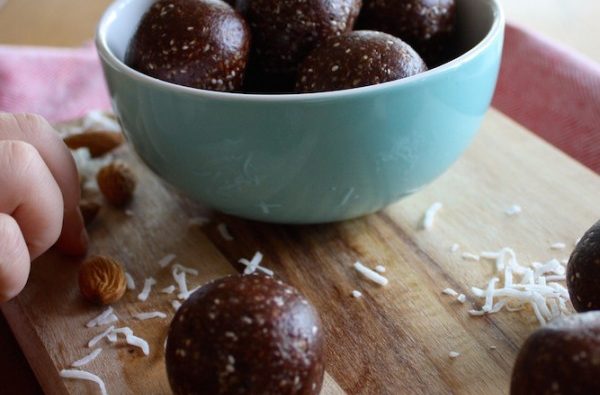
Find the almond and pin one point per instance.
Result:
(89, 210)
(117, 183)
(102, 280)
(98, 142)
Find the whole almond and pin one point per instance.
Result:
(102, 280)
(98, 142)
(117, 183)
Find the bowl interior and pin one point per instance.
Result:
(476, 21)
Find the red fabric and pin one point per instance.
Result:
(549, 89)
(553, 91)
(59, 84)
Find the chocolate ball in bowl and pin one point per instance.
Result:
(356, 59)
(202, 44)
(284, 31)
(246, 335)
(427, 25)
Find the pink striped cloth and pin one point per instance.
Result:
(546, 87)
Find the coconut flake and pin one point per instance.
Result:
(461, 298)
(104, 315)
(83, 375)
(449, 292)
(370, 274)
(453, 354)
(356, 294)
(186, 269)
(380, 269)
(254, 264)
(176, 304)
(467, 256)
(558, 246)
(99, 337)
(166, 260)
(149, 315)
(224, 231)
(130, 282)
(513, 210)
(87, 359)
(148, 283)
(168, 290)
(430, 214)
(133, 340)
(455, 247)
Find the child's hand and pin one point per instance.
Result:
(39, 198)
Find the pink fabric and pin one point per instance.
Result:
(549, 89)
(552, 91)
(59, 84)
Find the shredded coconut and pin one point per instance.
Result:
(166, 260)
(513, 210)
(103, 316)
(130, 282)
(380, 269)
(453, 354)
(148, 283)
(87, 359)
(517, 286)
(186, 269)
(83, 375)
(558, 246)
(176, 304)
(461, 298)
(133, 340)
(254, 264)
(149, 315)
(467, 256)
(370, 274)
(99, 337)
(429, 216)
(450, 292)
(455, 247)
(168, 290)
(356, 294)
(224, 231)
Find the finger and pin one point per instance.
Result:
(14, 258)
(30, 195)
(38, 132)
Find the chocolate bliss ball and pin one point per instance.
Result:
(284, 31)
(427, 25)
(583, 271)
(246, 335)
(356, 59)
(202, 44)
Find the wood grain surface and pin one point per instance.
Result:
(395, 339)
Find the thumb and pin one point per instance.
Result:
(14, 258)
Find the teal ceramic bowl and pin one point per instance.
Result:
(306, 158)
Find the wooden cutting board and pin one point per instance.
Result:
(393, 340)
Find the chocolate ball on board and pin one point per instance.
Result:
(245, 335)
(355, 59)
(583, 271)
(202, 44)
(562, 357)
(427, 25)
(284, 31)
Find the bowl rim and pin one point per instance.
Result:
(107, 55)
